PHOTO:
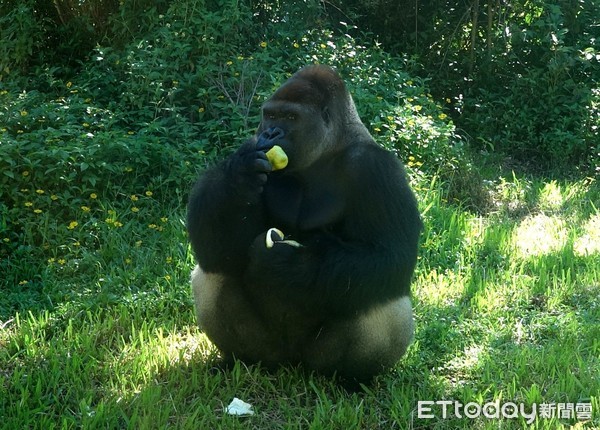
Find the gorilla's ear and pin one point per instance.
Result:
(325, 115)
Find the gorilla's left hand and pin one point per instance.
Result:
(278, 262)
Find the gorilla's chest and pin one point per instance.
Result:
(300, 206)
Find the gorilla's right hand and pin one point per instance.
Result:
(247, 171)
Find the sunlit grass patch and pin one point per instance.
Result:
(589, 241)
(551, 197)
(540, 234)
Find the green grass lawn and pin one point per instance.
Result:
(97, 328)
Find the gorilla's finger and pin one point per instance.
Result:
(261, 165)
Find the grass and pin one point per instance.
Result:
(100, 331)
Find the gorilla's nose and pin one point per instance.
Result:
(273, 133)
(269, 137)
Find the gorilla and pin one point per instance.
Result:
(310, 263)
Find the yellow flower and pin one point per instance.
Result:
(54, 197)
(134, 198)
(442, 116)
(69, 84)
(153, 226)
(24, 113)
(200, 109)
(62, 261)
(169, 260)
(296, 45)
(118, 224)
(72, 225)
(23, 282)
(418, 108)
(85, 125)
(93, 196)
(229, 63)
(85, 208)
(128, 261)
(6, 240)
(168, 277)
(51, 260)
(128, 169)
(149, 193)
(138, 243)
(28, 204)
(164, 219)
(263, 44)
(37, 211)
(39, 191)
(77, 243)
(25, 173)
(135, 209)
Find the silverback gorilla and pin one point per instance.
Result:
(311, 263)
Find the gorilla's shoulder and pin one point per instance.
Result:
(367, 154)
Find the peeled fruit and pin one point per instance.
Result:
(274, 235)
(277, 157)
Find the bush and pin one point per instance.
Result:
(147, 117)
(537, 120)
(21, 33)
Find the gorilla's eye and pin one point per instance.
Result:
(291, 117)
(270, 116)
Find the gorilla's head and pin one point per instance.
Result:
(307, 116)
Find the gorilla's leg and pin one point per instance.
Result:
(363, 346)
(229, 319)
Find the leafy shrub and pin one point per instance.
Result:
(21, 33)
(91, 163)
(532, 119)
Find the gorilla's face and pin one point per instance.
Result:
(297, 122)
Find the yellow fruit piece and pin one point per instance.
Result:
(277, 157)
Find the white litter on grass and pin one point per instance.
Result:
(240, 408)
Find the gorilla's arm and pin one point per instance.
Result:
(224, 210)
(367, 258)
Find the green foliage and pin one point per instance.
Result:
(541, 104)
(149, 115)
(21, 33)
(518, 78)
(70, 180)
(521, 77)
